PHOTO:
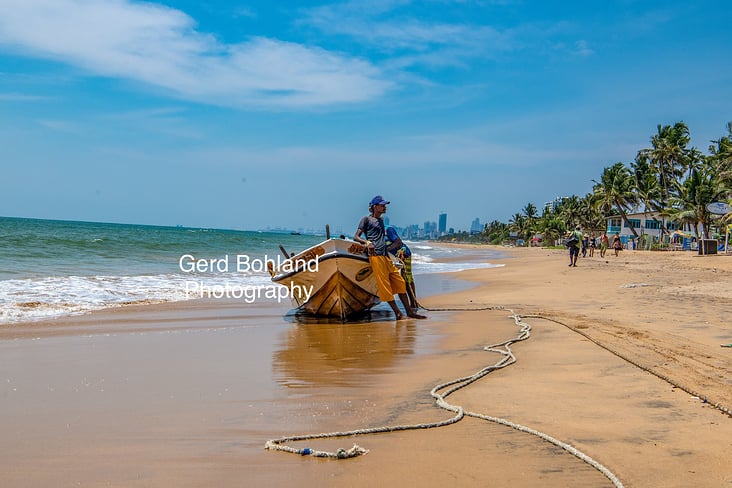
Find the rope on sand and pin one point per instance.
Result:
(717, 405)
(508, 358)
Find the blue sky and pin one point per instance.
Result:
(253, 114)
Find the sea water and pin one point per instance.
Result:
(429, 257)
(52, 268)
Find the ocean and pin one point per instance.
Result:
(53, 268)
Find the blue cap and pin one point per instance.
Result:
(378, 200)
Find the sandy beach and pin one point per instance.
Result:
(624, 363)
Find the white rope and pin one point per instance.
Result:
(714, 404)
(508, 358)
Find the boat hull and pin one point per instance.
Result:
(338, 273)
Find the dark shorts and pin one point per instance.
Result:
(573, 251)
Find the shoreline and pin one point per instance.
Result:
(188, 397)
(44, 299)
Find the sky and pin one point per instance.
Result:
(248, 115)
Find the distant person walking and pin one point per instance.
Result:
(603, 244)
(388, 279)
(593, 244)
(617, 244)
(574, 240)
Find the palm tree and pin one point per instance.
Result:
(694, 160)
(668, 156)
(590, 218)
(519, 225)
(552, 227)
(720, 160)
(530, 211)
(496, 232)
(615, 191)
(531, 214)
(698, 191)
(648, 190)
(570, 210)
(721, 157)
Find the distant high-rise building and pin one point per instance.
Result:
(386, 221)
(442, 227)
(430, 230)
(475, 227)
(552, 206)
(412, 231)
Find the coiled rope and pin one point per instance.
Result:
(508, 358)
(717, 405)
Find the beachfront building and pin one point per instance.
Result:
(650, 224)
(442, 227)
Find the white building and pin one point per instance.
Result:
(647, 223)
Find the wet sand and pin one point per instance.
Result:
(187, 394)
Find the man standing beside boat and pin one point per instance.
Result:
(388, 278)
(396, 246)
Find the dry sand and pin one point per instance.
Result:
(187, 394)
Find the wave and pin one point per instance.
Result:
(427, 267)
(33, 299)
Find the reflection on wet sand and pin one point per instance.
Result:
(316, 351)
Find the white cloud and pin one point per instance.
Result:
(159, 46)
(61, 126)
(582, 48)
(22, 97)
(383, 27)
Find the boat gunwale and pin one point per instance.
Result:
(323, 257)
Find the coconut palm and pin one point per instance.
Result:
(552, 227)
(590, 218)
(615, 191)
(520, 225)
(668, 156)
(720, 160)
(530, 211)
(694, 160)
(570, 210)
(531, 214)
(648, 189)
(720, 157)
(496, 232)
(698, 191)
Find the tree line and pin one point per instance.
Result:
(669, 178)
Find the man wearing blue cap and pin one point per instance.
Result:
(388, 278)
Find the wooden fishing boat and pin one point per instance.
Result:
(337, 273)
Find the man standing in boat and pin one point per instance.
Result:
(388, 278)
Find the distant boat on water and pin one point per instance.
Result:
(280, 230)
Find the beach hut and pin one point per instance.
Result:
(681, 241)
